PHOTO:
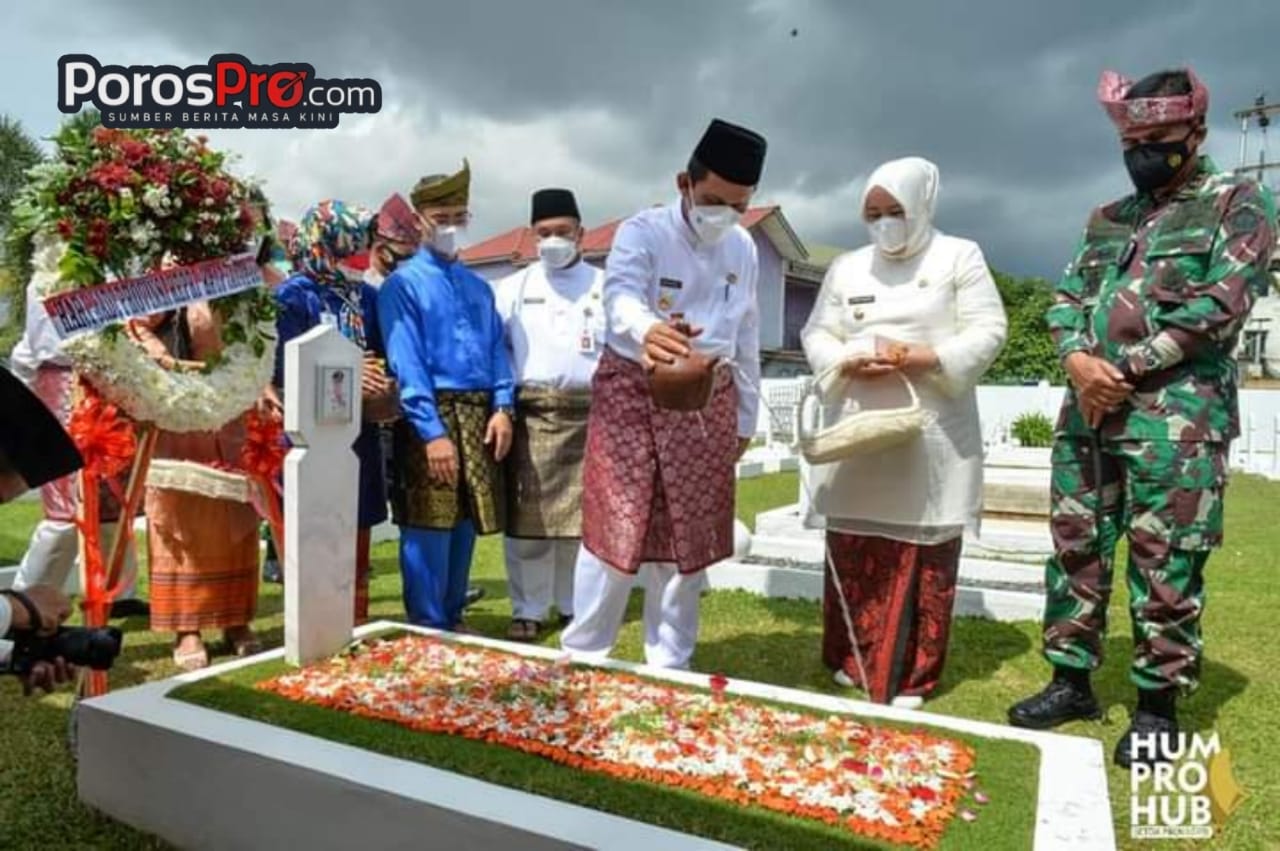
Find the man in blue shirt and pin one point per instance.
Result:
(446, 348)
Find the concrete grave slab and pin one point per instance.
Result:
(287, 789)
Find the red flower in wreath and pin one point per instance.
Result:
(105, 136)
(112, 176)
(105, 439)
(158, 173)
(134, 151)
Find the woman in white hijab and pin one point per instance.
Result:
(918, 304)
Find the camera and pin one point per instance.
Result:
(85, 648)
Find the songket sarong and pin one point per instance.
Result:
(418, 502)
(900, 597)
(658, 485)
(202, 551)
(544, 469)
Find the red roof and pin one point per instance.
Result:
(520, 246)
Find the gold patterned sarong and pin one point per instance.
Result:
(418, 502)
(544, 469)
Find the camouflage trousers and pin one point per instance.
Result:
(1166, 498)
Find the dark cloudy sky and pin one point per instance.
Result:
(608, 97)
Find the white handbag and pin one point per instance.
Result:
(858, 432)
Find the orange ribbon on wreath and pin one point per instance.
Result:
(106, 440)
(109, 445)
(262, 459)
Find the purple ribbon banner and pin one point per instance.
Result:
(94, 308)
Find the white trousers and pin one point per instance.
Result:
(52, 554)
(600, 596)
(538, 573)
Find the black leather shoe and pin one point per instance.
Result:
(1149, 740)
(1059, 702)
(474, 595)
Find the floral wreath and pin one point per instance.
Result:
(117, 203)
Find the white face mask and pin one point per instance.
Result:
(373, 277)
(712, 222)
(889, 233)
(557, 251)
(448, 240)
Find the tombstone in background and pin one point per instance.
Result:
(321, 484)
(804, 482)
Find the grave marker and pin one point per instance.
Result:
(321, 486)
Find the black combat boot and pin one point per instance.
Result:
(1153, 732)
(1068, 697)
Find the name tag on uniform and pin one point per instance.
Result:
(862, 299)
(587, 337)
(535, 300)
(671, 283)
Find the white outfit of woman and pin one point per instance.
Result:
(938, 291)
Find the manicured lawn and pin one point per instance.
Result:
(990, 666)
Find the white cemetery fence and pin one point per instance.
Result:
(1255, 451)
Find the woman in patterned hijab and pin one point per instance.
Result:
(330, 233)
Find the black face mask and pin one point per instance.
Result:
(391, 259)
(1155, 164)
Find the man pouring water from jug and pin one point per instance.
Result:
(675, 398)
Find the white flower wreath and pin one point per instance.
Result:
(125, 375)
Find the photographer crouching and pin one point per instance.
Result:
(35, 646)
(29, 619)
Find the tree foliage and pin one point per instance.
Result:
(19, 151)
(1029, 355)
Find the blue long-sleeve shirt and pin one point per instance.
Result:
(442, 332)
(300, 305)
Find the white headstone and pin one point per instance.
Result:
(321, 493)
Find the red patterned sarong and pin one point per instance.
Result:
(900, 597)
(657, 485)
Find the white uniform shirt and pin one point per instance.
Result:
(554, 322)
(39, 343)
(930, 490)
(658, 267)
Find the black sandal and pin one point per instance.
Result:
(522, 629)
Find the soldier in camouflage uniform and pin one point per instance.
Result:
(1146, 319)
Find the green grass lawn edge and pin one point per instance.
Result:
(1008, 772)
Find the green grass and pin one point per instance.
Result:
(990, 666)
(1007, 822)
(763, 493)
(17, 519)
